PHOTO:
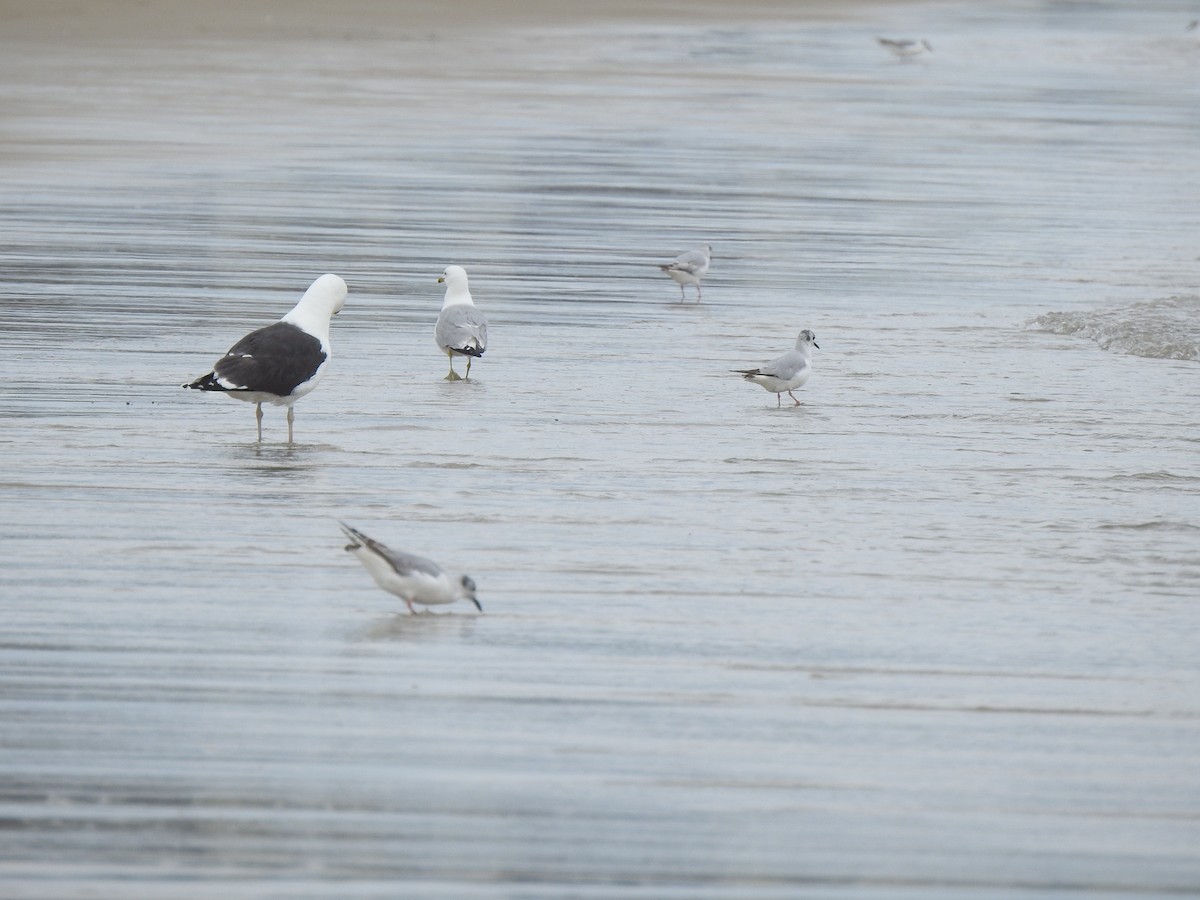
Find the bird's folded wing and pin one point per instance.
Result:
(408, 563)
(274, 359)
(785, 366)
(462, 326)
(403, 563)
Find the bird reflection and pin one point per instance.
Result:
(420, 627)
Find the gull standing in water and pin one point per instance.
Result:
(689, 268)
(787, 372)
(412, 578)
(461, 329)
(281, 363)
(905, 48)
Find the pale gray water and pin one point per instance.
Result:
(931, 634)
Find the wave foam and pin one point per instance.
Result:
(1160, 329)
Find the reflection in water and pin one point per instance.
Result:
(421, 627)
(283, 459)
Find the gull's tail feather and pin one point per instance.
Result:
(206, 383)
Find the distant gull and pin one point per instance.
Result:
(1193, 25)
(461, 329)
(281, 363)
(412, 578)
(689, 268)
(904, 48)
(787, 372)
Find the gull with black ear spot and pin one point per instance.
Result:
(461, 329)
(787, 372)
(412, 578)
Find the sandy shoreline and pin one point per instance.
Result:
(36, 20)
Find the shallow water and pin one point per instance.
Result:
(930, 634)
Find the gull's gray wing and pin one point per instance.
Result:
(404, 563)
(691, 262)
(408, 563)
(462, 328)
(785, 366)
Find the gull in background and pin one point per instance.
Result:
(281, 363)
(689, 268)
(412, 578)
(461, 329)
(787, 372)
(905, 48)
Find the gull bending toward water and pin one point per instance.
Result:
(787, 372)
(281, 363)
(689, 268)
(461, 329)
(412, 578)
(904, 48)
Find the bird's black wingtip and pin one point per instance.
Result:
(355, 536)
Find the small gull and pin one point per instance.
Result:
(689, 268)
(905, 48)
(412, 578)
(787, 372)
(461, 329)
(281, 363)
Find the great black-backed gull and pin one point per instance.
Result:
(461, 329)
(787, 372)
(689, 268)
(281, 363)
(905, 48)
(412, 578)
